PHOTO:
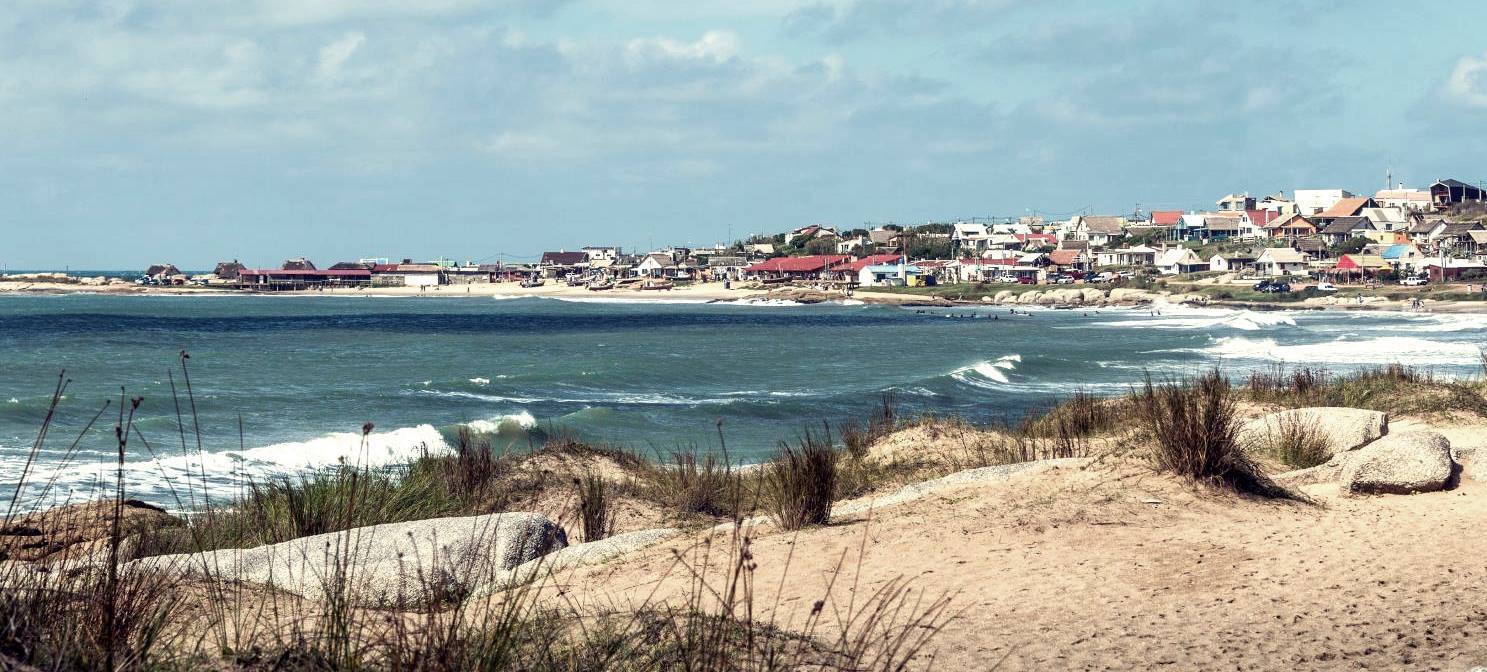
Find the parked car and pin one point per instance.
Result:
(1063, 280)
(1326, 287)
(1007, 278)
(1413, 281)
(1027, 280)
(1272, 287)
(1102, 277)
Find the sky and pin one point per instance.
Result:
(192, 131)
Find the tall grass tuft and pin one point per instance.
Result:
(694, 483)
(1194, 430)
(596, 506)
(1298, 444)
(798, 486)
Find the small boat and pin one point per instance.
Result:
(600, 285)
(575, 281)
(657, 284)
(1064, 306)
(532, 282)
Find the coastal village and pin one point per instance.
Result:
(1325, 237)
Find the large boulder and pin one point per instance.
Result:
(1401, 463)
(395, 564)
(78, 530)
(1029, 297)
(1130, 295)
(1092, 295)
(1344, 428)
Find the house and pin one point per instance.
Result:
(165, 274)
(884, 275)
(595, 252)
(1360, 266)
(561, 263)
(1312, 246)
(723, 267)
(850, 245)
(1277, 261)
(972, 236)
(1456, 236)
(1343, 228)
(1388, 219)
(1100, 231)
(228, 270)
(1351, 206)
(1232, 262)
(1423, 231)
(1236, 203)
(806, 234)
(1178, 260)
(1223, 226)
(1408, 200)
(794, 268)
(1068, 260)
(1456, 269)
(302, 278)
(1402, 257)
(656, 265)
(1291, 226)
(848, 270)
(1446, 193)
(1313, 201)
(759, 249)
(298, 264)
(1278, 204)
(1140, 255)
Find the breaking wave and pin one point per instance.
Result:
(995, 371)
(1385, 350)
(1176, 317)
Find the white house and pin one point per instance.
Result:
(656, 265)
(1099, 231)
(1276, 261)
(1312, 201)
(970, 236)
(879, 275)
(1231, 262)
(1179, 260)
(1410, 200)
(1140, 255)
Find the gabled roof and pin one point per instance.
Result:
(662, 260)
(1166, 217)
(1261, 217)
(1109, 225)
(1064, 257)
(563, 258)
(1455, 229)
(1342, 225)
(869, 260)
(1290, 222)
(1348, 207)
(809, 264)
(1282, 255)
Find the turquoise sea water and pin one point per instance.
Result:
(303, 374)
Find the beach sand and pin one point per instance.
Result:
(1113, 566)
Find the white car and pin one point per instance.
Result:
(1326, 287)
(1009, 279)
(1413, 281)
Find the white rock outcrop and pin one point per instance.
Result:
(1399, 464)
(403, 564)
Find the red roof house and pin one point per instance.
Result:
(798, 268)
(1166, 217)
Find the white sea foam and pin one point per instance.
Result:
(520, 421)
(226, 471)
(992, 370)
(1183, 317)
(480, 381)
(1384, 350)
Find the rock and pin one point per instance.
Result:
(402, 564)
(1345, 428)
(1092, 295)
(1130, 295)
(1029, 297)
(77, 530)
(1400, 464)
(1005, 295)
(591, 553)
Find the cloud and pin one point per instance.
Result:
(335, 54)
(859, 19)
(1468, 82)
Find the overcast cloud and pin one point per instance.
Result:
(188, 131)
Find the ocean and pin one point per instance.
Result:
(301, 374)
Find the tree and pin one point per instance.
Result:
(1352, 245)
